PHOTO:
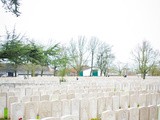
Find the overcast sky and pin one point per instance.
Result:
(121, 23)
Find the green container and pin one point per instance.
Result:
(5, 113)
(38, 117)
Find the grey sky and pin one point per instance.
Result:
(121, 23)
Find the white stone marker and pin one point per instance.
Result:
(101, 105)
(108, 103)
(115, 102)
(133, 114)
(153, 112)
(108, 115)
(122, 114)
(66, 108)
(75, 103)
(92, 108)
(84, 109)
(45, 109)
(56, 108)
(51, 118)
(31, 110)
(133, 100)
(124, 101)
(17, 111)
(143, 113)
(69, 117)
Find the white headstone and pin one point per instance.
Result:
(69, 117)
(17, 111)
(115, 102)
(124, 101)
(84, 109)
(108, 103)
(122, 114)
(66, 109)
(143, 113)
(133, 114)
(56, 108)
(75, 103)
(108, 115)
(101, 105)
(153, 112)
(92, 108)
(45, 109)
(133, 100)
(31, 110)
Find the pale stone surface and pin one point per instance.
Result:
(124, 101)
(142, 100)
(122, 114)
(154, 99)
(92, 108)
(35, 98)
(17, 111)
(148, 99)
(153, 112)
(108, 103)
(101, 105)
(45, 97)
(115, 102)
(75, 105)
(108, 115)
(143, 113)
(133, 114)
(45, 109)
(50, 118)
(133, 100)
(31, 110)
(25, 99)
(66, 108)
(69, 117)
(11, 100)
(84, 109)
(56, 108)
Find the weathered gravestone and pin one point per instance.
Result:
(124, 101)
(56, 108)
(66, 108)
(153, 112)
(45, 109)
(143, 113)
(17, 111)
(133, 114)
(115, 102)
(108, 115)
(92, 108)
(31, 110)
(51, 118)
(133, 100)
(122, 114)
(101, 105)
(75, 103)
(69, 117)
(108, 103)
(84, 109)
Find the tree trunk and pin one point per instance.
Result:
(42, 72)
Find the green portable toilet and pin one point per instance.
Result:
(81, 73)
(95, 73)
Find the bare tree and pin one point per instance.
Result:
(78, 53)
(145, 58)
(104, 58)
(93, 45)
